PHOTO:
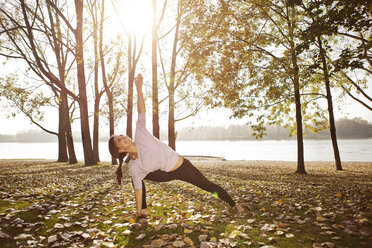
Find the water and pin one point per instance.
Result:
(284, 150)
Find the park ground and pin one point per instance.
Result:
(49, 204)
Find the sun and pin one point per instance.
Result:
(135, 15)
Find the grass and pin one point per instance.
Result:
(283, 209)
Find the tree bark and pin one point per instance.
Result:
(96, 130)
(68, 132)
(294, 71)
(155, 99)
(300, 138)
(61, 61)
(130, 103)
(131, 73)
(171, 88)
(332, 125)
(104, 79)
(83, 104)
(96, 91)
(62, 146)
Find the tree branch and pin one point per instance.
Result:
(357, 86)
(61, 15)
(356, 99)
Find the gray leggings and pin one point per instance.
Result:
(188, 173)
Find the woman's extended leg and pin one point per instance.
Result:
(189, 173)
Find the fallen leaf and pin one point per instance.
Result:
(141, 236)
(289, 235)
(178, 243)
(23, 236)
(202, 237)
(157, 243)
(320, 218)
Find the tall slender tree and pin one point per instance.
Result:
(252, 53)
(61, 59)
(93, 7)
(83, 101)
(329, 103)
(156, 22)
(184, 96)
(36, 59)
(154, 67)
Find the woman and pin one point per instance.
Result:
(151, 159)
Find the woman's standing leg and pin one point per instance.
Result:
(189, 173)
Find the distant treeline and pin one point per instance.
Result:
(356, 128)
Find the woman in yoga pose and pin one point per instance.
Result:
(151, 159)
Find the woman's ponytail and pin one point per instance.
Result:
(119, 173)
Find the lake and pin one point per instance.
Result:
(281, 150)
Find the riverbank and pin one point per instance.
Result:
(57, 204)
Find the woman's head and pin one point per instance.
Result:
(116, 152)
(119, 144)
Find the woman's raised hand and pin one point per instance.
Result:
(140, 101)
(139, 81)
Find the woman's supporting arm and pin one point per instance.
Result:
(140, 100)
(138, 196)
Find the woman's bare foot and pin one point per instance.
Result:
(238, 208)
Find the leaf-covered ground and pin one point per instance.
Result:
(48, 204)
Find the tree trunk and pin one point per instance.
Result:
(96, 91)
(104, 79)
(62, 148)
(300, 139)
(96, 130)
(69, 138)
(131, 72)
(61, 61)
(130, 104)
(112, 127)
(83, 103)
(296, 87)
(332, 125)
(155, 99)
(171, 89)
(171, 123)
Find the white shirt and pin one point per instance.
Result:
(152, 154)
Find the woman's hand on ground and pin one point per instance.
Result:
(143, 212)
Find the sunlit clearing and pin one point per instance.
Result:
(136, 16)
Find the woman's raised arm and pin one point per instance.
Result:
(140, 101)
